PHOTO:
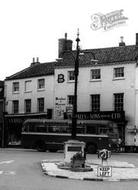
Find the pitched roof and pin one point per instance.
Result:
(40, 69)
(103, 56)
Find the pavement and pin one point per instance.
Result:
(120, 171)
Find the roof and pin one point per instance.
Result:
(109, 55)
(40, 69)
(103, 56)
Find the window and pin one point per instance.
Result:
(41, 83)
(118, 72)
(40, 102)
(15, 87)
(95, 100)
(119, 102)
(28, 106)
(71, 76)
(95, 74)
(15, 106)
(70, 99)
(28, 86)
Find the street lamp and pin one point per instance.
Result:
(76, 72)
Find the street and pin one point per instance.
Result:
(20, 169)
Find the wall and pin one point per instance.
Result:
(107, 86)
(33, 94)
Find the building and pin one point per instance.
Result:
(1, 112)
(107, 87)
(28, 94)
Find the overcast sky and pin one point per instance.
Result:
(31, 28)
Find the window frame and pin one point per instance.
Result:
(117, 73)
(38, 104)
(38, 84)
(118, 103)
(14, 108)
(70, 75)
(25, 105)
(69, 101)
(25, 89)
(14, 87)
(93, 76)
(95, 106)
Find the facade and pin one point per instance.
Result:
(107, 89)
(28, 94)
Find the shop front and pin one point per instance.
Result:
(13, 126)
(116, 117)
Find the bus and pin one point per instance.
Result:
(47, 134)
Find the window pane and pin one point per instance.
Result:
(16, 87)
(95, 99)
(15, 106)
(70, 99)
(71, 75)
(119, 72)
(28, 85)
(41, 83)
(40, 104)
(119, 102)
(95, 74)
(28, 106)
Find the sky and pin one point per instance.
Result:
(31, 28)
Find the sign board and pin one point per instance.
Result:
(102, 115)
(104, 171)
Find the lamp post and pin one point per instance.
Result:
(76, 72)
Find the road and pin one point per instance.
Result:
(21, 170)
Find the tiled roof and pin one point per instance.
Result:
(40, 69)
(103, 55)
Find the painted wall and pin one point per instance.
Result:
(106, 87)
(33, 94)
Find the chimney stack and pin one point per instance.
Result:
(122, 43)
(64, 45)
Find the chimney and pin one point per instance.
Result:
(122, 43)
(35, 62)
(137, 39)
(64, 45)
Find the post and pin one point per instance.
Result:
(76, 72)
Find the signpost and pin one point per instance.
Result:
(104, 171)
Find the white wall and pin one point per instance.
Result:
(47, 93)
(106, 87)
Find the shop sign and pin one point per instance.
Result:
(104, 171)
(103, 115)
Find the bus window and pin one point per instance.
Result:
(40, 128)
(91, 129)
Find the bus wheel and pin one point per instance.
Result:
(40, 146)
(91, 149)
